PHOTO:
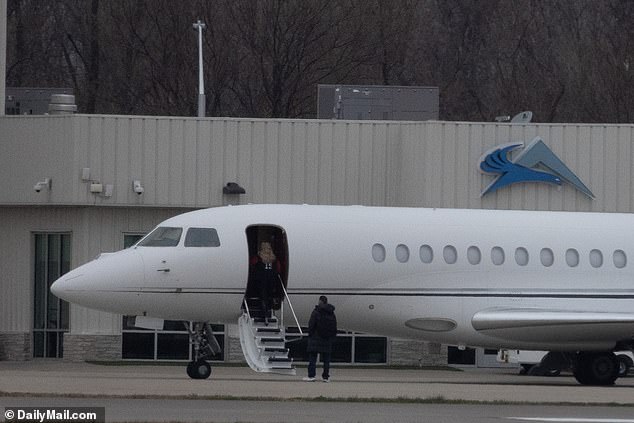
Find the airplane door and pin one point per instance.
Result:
(273, 240)
(162, 267)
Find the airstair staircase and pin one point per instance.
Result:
(264, 346)
(263, 341)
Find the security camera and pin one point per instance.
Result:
(45, 184)
(137, 187)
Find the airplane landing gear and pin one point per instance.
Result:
(205, 346)
(596, 368)
(199, 369)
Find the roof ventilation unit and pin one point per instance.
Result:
(62, 104)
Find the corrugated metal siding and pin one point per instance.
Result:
(31, 149)
(92, 230)
(185, 162)
(439, 166)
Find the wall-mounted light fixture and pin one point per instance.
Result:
(232, 188)
(137, 187)
(47, 183)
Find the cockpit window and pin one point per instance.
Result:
(202, 237)
(162, 237)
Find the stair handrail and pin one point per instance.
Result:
(246, 306)
(290, 305)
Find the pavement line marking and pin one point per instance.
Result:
(570, 420)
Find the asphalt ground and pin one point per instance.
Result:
(58, 378)
(232, 411)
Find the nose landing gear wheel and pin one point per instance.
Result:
(198, 369)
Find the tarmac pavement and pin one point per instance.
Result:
(59, 378)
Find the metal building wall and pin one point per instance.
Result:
(439, 166)
(185, 162)
(92, 230)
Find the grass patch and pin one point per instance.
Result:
(399, 400)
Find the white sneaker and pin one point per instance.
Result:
(326, 380)
(309, 379)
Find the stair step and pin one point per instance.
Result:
(269, 330)
(260, 318)
(275, 349)
(266, 340)
(284, 370)
(280, 360)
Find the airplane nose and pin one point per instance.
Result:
(98, 284)
(63, 287)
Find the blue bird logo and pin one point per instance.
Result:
(497, 162)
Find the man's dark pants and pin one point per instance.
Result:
(312, 364)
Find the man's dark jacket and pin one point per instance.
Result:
(315, 342)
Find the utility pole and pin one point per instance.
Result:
(3, 53)
(201, 84)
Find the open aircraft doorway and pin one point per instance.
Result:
(268, 269)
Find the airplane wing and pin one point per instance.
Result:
(548, 325)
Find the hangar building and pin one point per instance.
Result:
(85, 167)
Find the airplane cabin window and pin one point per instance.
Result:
(619, 258)
(497, 256)
(402, 253)
(547, 257)
(473, 255)
(596, 258)
(202, 237)
(162, 237)
(378, 253)
(426, 254)
(572, 257)
(450, 254)
(521, 256)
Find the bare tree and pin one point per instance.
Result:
(286, 48)
(564, 60)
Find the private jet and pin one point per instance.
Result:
(562, 282)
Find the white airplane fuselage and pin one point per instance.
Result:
(513, 283)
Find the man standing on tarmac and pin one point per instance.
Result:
(322, 330)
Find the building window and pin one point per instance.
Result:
(473, 255)
(619, 258)
(51, 314)
(171, 343)
(378, 253)
(348, 347)
(572, 257)
(521, 256)
(456, 355)
(497, 256)
(596, 258)
(402, 253)
(130, 239)
(547, 257)
(426, 254)
(450, 254)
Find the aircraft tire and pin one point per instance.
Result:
(190, 370)
(198, 369)
(601, 369)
